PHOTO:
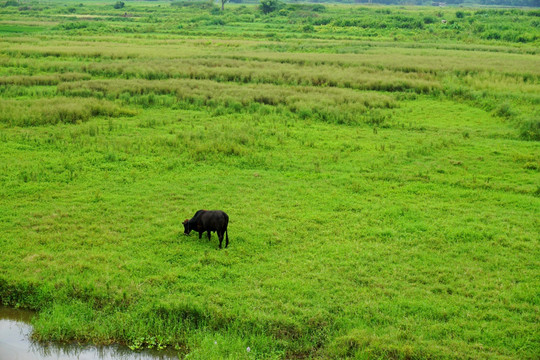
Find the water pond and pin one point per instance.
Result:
(16, 344)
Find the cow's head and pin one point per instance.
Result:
(187, 230)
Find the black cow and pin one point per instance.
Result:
(205, 220)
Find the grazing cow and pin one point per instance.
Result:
(208, 221)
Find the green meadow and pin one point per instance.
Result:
(380, 167)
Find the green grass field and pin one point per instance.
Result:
(380, 170)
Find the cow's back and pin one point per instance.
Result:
(214, 220)
(198, 214)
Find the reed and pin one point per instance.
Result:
(57, 110)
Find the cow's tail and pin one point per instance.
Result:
(227, 232)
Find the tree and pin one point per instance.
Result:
(223, 4)
(268, 6)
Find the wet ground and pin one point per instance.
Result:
(16, 344)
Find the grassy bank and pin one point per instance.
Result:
(381, 181)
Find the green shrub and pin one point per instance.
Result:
(429, 20)
(11, 3)
(492, 35)
(194, 4)
(504, 110)
(322, 21)
(530, 130)
(268, 6)
(119, 5)
(306, 7)
(216, 21)
(308, 28)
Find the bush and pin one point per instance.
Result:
(306, 7)
(504, 110)
(429, 20)
(119, 5)
(72, 25)
(322, 21)
(493, 35)
(268, 6)
(308, 28)
(195, 4)
(10, 3)
(530, 130)
(216, 21)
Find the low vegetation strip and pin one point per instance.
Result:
(57, 110)
(336, 105)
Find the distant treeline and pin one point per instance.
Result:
(527, 3)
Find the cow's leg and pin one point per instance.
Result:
(220, 236)
(200, 235)
(227, 239)
(208, 235)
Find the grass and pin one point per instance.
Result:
(382, 182)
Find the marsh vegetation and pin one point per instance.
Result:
(380, 169)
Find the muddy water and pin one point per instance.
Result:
(15, 344)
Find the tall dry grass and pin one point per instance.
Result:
(57, 110)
